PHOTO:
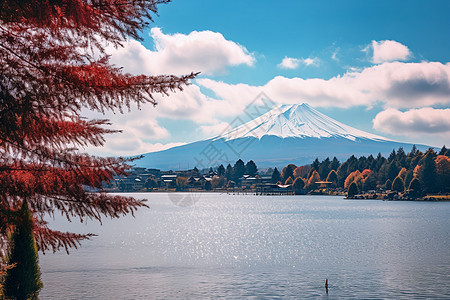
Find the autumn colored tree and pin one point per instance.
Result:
(288, 171)
(315, 177)
(289, 181)
(301, 171)
(181, 183)
(218, 181)
(402, 174)
(353, 177)
(443, 172)
(53, 64)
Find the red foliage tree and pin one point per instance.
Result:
(53, 64)
(301, 171)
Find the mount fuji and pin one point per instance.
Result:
(286, 134)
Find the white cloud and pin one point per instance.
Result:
(294, 63)
(396, 84)
(334, 55)
(412, 122)
(199, 51)
(289, 63)
(311, 61)
(140, 131)
(386, 51)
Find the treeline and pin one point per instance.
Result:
(239, 169)
(416, 171)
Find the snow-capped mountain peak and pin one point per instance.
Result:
(296, 120)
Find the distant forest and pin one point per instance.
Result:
(422, 173)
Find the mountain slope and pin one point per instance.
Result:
(287, 134)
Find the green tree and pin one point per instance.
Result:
(398, 184)
(342, 173)
(392, 156)
(428, 173)
(208, 185)
(251, 168)
(352, 190)
(335, 164)
(409, 176)
(150, 183)
(324, 168)
(444, 151)
(370, 183)
(238, 170)
(316, 164)
(229, 172)
(401, 157)
(388, 184)
(195, 172)
(276, 176)
(221, 170)
(415, 186)
(393, 170)
(298, 185)
(122, 185)
(23, 280)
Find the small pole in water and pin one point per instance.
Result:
(326, 285)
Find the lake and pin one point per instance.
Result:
(212, 245)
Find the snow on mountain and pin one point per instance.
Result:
(286, 134)
(296, 120)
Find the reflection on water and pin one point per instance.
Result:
(238, 246)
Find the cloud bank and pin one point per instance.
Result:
(395, 84)
(425, 120)
(207, 52)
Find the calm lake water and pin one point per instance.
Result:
(246, 246)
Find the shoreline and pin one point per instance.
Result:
(428, 198)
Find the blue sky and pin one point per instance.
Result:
(379, 66)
